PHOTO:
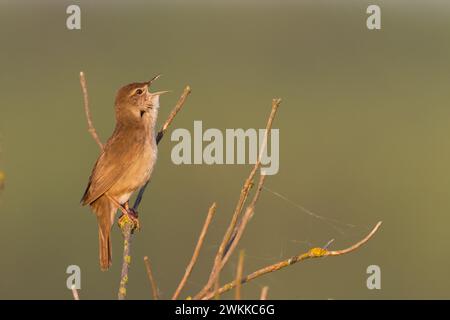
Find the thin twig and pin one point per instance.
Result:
(91, 127)
(239, 273)
(151, 278)
(356, 245)
(217, 287)
(248, 183)
(200, 241)
(250, 210)
(126, 261)
(229, 238)
(75, 293)
(328, 244)
(240, 231)
(312, 253)
(176, 109)
(264, 293)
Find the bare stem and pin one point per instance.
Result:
(196, 253)
(151, 278)
(217, 287)
(91, 127)
(239, 272)
(176, 109)
(312, 253)
(264, 293)
(230, 237)
(250, 210)
(75, 293)
(126, 231)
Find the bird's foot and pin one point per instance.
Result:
(129, 219)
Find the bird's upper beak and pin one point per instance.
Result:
(153, 79)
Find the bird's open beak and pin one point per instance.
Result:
(159, 92)
(154, 96)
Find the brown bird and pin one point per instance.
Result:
(126, 162)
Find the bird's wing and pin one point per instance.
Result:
(115, 160)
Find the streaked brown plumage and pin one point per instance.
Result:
(126, 162)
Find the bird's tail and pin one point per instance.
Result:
(102, 207)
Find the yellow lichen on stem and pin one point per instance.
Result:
(126, 231)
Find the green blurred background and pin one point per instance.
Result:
(363, 137)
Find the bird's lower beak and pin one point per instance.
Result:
(159, 93)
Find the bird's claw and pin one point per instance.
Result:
(131, 218)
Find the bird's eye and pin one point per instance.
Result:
(139, 91)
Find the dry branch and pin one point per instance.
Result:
(126, 261)
(151, 279)
(75, 293)
(248, 184)
(176, 109)
(312, 253)
(87, 111)
(264, 293)
(230, 239)
(200, 241)
(239, 273)
(250, 210)
(216, 288)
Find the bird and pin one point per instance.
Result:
(126, 162)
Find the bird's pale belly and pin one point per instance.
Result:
(135, 177)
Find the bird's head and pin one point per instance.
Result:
(134, 102)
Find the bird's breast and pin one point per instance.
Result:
(143, 167)
(150, 154)
(138, 173)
